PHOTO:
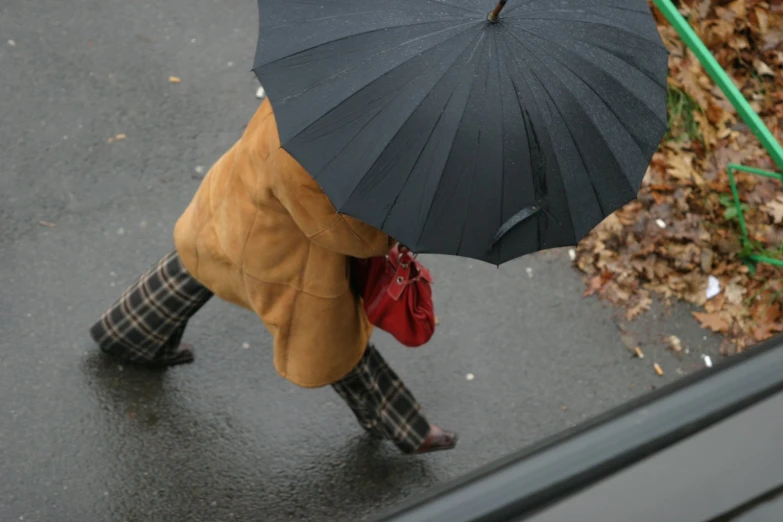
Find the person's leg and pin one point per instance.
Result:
(352, 392)
(145, 325)
(385, 407)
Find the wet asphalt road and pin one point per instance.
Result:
(82, 438)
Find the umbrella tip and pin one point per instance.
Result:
(494, 16)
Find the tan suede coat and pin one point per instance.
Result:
(261, 233)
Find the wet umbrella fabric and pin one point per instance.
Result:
(460, 136)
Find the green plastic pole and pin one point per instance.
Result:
(722, 79)
(737, 203)
(731, 169)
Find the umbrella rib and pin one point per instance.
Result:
(642, 10)
(473, 164)
(470, 196)
(472, 183)
(522, 113)
(522, 5)
(502, 143)
(578, 151)
(531, 2)
(439, 2)
(321, 19)
(566, 65)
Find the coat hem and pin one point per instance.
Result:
(328, 381)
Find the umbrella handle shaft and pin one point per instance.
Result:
(493, 17)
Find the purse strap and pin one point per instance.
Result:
(406, 264)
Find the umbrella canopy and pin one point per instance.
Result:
(460, 133)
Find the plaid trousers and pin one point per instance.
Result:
(382, 403)
(145, 325)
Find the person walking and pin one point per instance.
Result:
(260, 233)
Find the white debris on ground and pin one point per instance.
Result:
(11, 43)
(529, 272)
(199, 169)
(707, 361)
(245, 345)
(260, 93)
(572, 254)
(470, 376)
(713, 287)
(661, 223)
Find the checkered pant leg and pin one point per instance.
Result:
(147, 322)
(382, 403)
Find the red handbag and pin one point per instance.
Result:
(397, 295)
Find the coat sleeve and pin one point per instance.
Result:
(318, 219)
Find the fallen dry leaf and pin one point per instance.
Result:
(641, 303)
(734, 293)
(763, 20)
(740, 8)
(762, 68)
(768, 320)
(775, 209)
(717, 321)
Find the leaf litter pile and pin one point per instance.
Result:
(681, 237)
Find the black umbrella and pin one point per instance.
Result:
(458, 132)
